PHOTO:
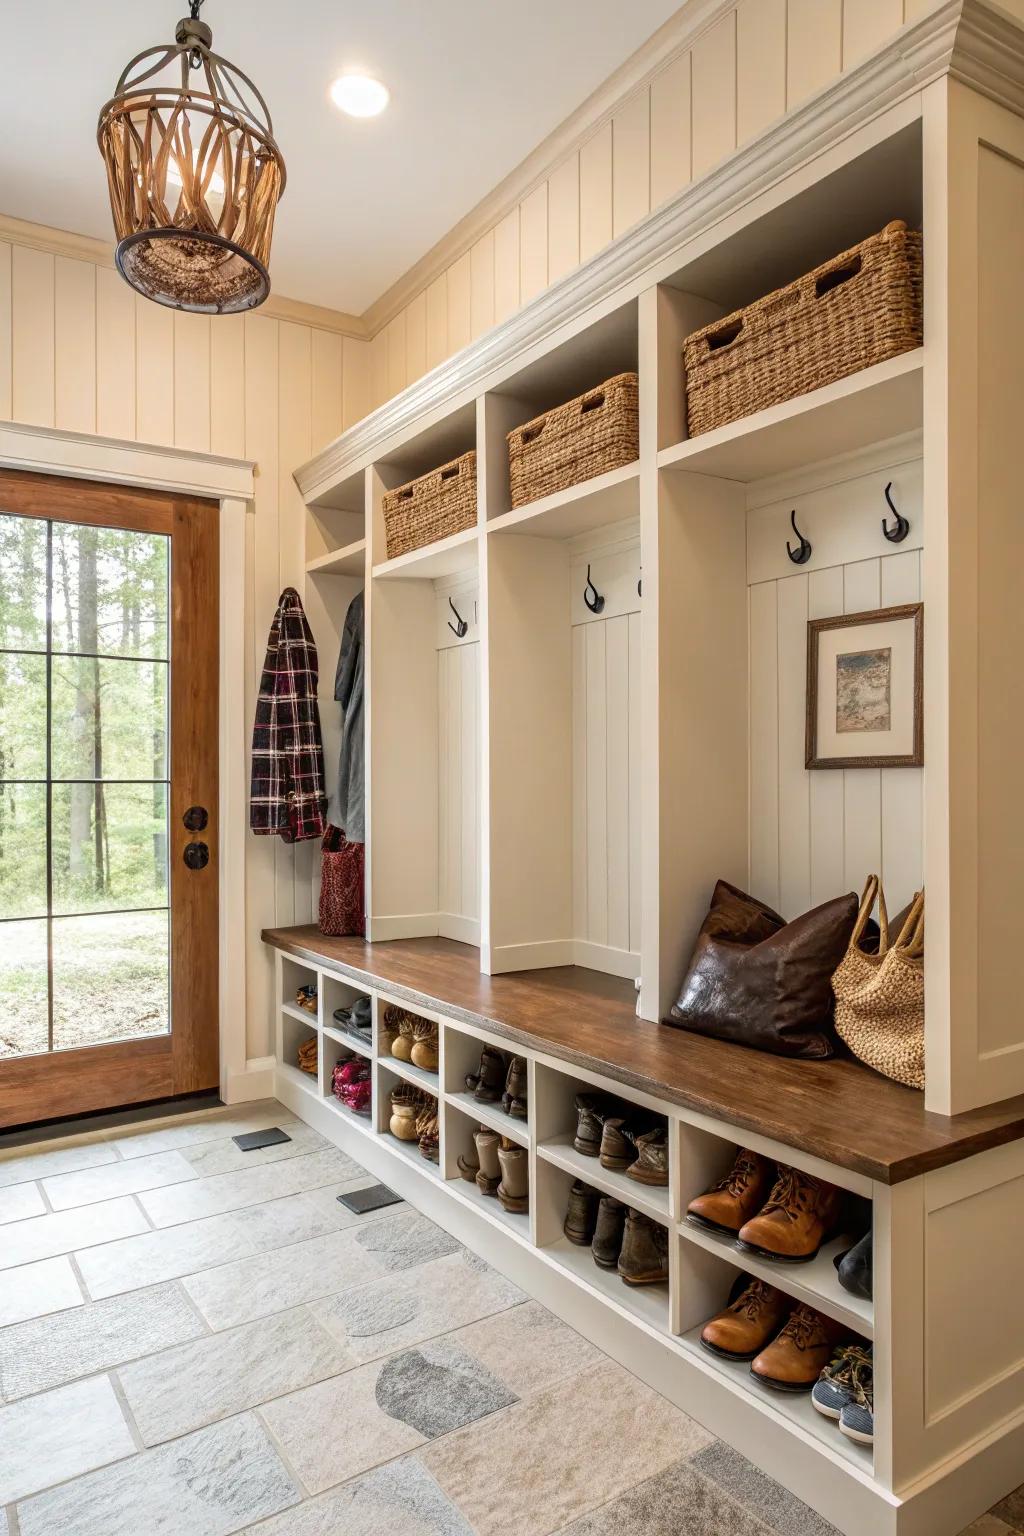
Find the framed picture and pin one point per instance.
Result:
(865, 701)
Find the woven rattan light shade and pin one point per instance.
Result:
(194, 176)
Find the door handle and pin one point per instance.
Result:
(195, 818)
(196, 855)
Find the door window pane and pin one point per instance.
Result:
(22, 716)
(109, 591)
(22, 583)
(109, 846)
(22, 850)
(23, 986)
(110, 978)
(109, 719)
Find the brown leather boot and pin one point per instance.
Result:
(489, 1176)
(488, 1084)
(651, 1166)
(644, 1256)
(608, 1233)
(513, 1100)
(795, 1359)
(734, 1199)
(514, 1189)
(581, 1214)
(592, 1110)
(469, 1164)
(748, 1323)
(800, 1214)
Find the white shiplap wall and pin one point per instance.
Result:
(458, 779)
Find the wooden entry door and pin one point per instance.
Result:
(108, 796)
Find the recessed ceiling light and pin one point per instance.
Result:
(359, 95)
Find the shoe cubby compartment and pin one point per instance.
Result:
(556, 1122)
(705, 1157)
(332, 1051)
(429, 1081)
(462, 1052)
(336, 993)
(294, 1028)
(387, 1080)
(294, 974)
(459, 1128)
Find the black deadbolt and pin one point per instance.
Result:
(195, 818)
(196, 855)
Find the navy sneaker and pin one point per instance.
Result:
(837, 1386)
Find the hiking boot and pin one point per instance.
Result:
(513, 1100)
(644, 1256)
(836, 1386)
(488, 1084)
(592, 1110)
(748, 1323)
(618, 1140)
(651, 1166)
(514, 1189)
(607, 1243)
(489, 1176)
(737, 1197)
(800, 1214)
(795, 1359)
(469, 1164)
(581, 1214)
(424, 1045)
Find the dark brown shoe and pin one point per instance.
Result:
(618, 1140)
(489, 1083)
(794, 1360)
(644, 1256)
(800, 1214)
(608, 1234)
(734, 1199)
(592, 1110)
(489, 1173)
(748, 1323)
(581, 1214)
(513, 1100)
(651, 1166)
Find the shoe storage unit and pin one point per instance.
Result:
(555, 782)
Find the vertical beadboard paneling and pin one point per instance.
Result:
(447, 788)
(116, 410)
(32, 287)
(154, 371)
(379, 368)
(760, 66)
(862, 804)
(814, 48)
(74, 310)
(458, 739)
(866, 26)
(437, 321)
(394, 347)
(227, 386)
(902, 788)
(415, 338)
(670, 130)
(295, 867)
(564, 218)
(617, 778)
(356, 381)
(469, 755)
(506, 267)
(764, 741)
(597, 783)
(713, 94)
(579, 780)
(326, 411)
(481, 298)
(533, 244)
(635, 739)
(596, 192)
(794, 790)
(460, 303)
(631, 162)
(827, 788)
(192, 382)
(5, 330)
(914, 9)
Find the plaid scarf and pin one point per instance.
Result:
(287, 794)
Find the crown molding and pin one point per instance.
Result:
(918, 55)
(85, 456)
(61, 242)
(989, 54)
(672, 38)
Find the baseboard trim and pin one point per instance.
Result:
(529, 957)
(412, 925)
(464, 930)
(256, 1082)
(602, 957)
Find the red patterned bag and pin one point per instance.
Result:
(342, 909)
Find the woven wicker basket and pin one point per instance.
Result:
(430, 508)
(587, 436)
(858, 309)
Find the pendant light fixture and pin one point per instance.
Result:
(194, 176)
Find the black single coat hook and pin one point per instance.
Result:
(596, 602)
(898, 534)
(802, 553)
(460, 628)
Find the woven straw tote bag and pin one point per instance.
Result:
(880, 998)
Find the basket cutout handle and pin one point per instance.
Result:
(451, 471)
(835, 277)
(406, 493)
(533, 431)
(592, 402)
(719, 340)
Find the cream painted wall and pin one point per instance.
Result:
(753, 64)
(79, 350)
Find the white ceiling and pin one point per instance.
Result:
(475, 85)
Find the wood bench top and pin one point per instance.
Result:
(836, 1110)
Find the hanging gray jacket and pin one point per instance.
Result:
(348, 690)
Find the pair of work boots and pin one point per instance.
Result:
(775, 1211)
(634, 1143)
(411, 1039)
(499, 1168)
(618, 1237)
(788, 1344)
(501, 1082)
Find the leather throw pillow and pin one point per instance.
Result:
(756, 980)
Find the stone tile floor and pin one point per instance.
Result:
(202, 1340)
